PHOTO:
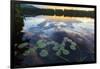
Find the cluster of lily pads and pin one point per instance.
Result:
(58, 48)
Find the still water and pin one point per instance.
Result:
(74, 38)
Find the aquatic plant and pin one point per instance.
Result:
(59, 49)
(41, 43)
(43, 53)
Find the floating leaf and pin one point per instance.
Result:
(43, 53)
(61, 47)
(26, 52)
(73, 43)
(65, 52)
(41, 44)
(51, 42)
(55, 48)
(69, 40)
(58, 53)
(56, 44)
(30, 51)
(63, 43)
(23, 45)
(72, 47)
(82, 59)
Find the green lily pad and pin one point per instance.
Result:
(41, 44)
(58, 53)
(72, 47)
(23, 45)
(55, 48)
(65, 52)
(26, 52)
(62, 48)
(44, 53)
(73, 43)
(30, 51)
(69, 40)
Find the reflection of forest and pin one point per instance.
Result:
(33, 11)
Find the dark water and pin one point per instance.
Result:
(81, 33)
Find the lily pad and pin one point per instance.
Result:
(55, 48)
(65, 52)
(30, 51)
(72, 47)
(62, 47)
(26, 52)
(41, 44)
(69, 40)
(23, 45)
(44, 53)
(73, 43)
(58, 53)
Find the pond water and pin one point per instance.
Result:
(63, 33)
